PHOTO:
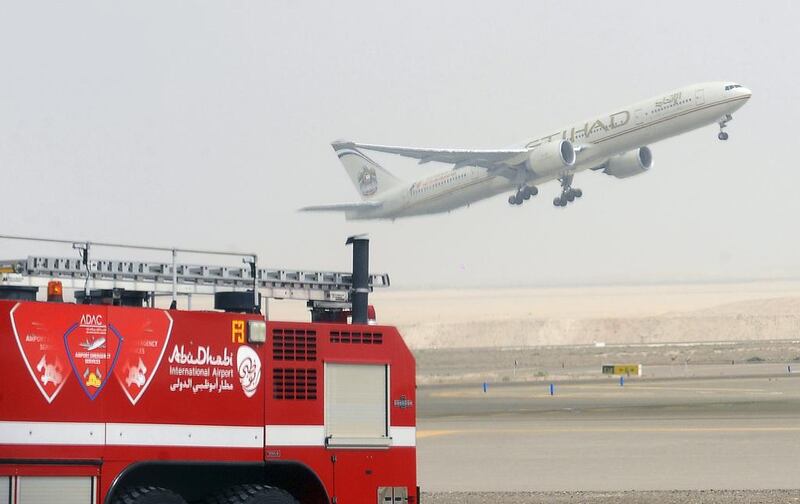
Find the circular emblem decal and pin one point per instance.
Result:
(249, 366)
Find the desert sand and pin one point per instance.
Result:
(641, 314)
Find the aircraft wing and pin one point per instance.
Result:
(494, 158)
(343, 207)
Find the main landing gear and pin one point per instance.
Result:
(722, 123)
(523, 194)
(568, 194)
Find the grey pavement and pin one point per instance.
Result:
(676, 434)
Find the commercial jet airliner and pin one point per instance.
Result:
(615, 144)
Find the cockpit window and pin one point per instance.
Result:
(732, 86)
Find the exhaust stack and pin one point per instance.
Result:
(360, 289)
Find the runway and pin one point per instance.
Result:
(669, 434)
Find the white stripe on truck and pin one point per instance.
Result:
(210, 436)
(52, 433)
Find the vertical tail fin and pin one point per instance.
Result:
(369, 178)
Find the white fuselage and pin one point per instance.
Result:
(596, 140)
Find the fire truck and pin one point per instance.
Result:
(122, 397)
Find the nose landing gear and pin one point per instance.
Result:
(523, 194)
(722, 124)
(568, 194)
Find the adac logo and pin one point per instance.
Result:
(368, 181)
(93, 321)
(92, 349)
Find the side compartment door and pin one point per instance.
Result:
(356, 405)
(5, 489)
(52, 489)
(356, 424)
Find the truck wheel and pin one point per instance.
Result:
(148, 495)
(252, 494)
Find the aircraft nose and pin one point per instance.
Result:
(745, 92)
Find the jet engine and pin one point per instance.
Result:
(629, 164)
(550, 158)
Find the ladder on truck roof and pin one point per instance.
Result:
(162, 278)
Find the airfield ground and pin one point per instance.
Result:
(686, 427)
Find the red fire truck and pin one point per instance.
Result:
(113, 400)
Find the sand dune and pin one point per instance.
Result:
(583, 315)
(655, 329)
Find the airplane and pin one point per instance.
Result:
(615, 144)
(94, 344)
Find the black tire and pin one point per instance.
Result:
(251, 494)
(722, 136)
(148, 495)
(534, 190)
(556, 201)
(512, 200)
(578, 193)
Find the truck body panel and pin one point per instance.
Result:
(106, 392)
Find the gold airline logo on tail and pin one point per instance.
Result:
(367, 181)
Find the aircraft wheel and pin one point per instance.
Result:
(556, 201)
(526, 194)
(534, 190)
(570, 196)
(722, 136)
(512, 200)
(578, 193)
(563, 202)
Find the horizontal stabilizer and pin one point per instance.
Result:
(343, 207)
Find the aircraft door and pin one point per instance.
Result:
(699, 97)
(638, 116)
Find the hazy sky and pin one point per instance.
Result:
(207, 124)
